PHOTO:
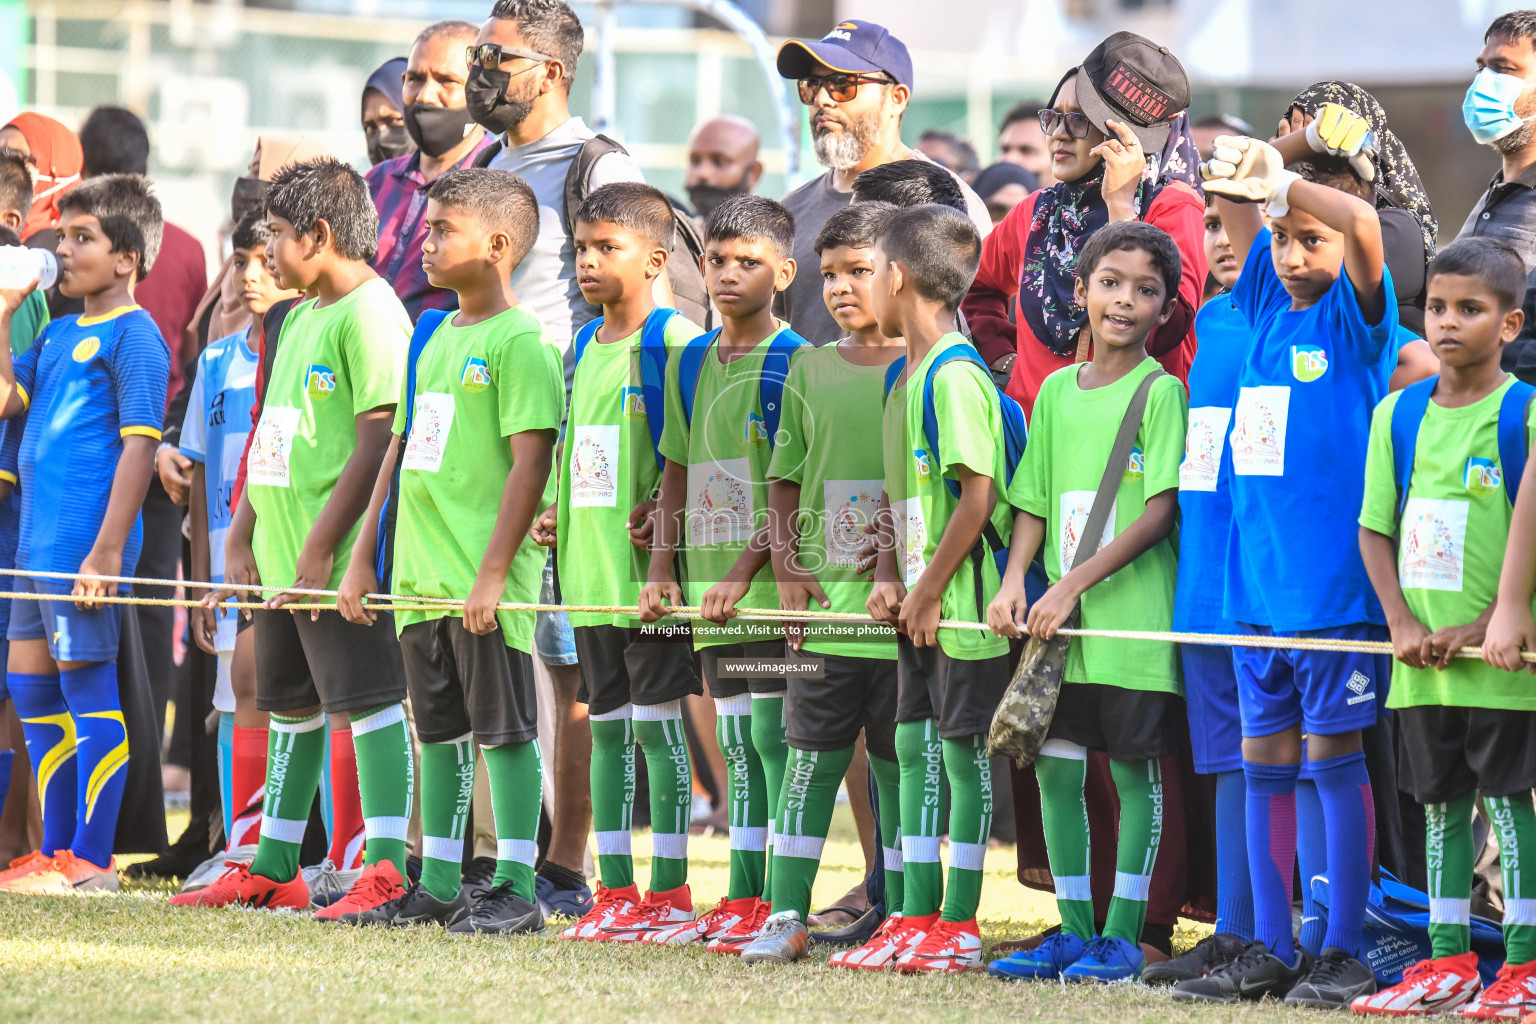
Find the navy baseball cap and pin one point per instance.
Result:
(852, 47)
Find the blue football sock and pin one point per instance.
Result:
(101, 752)
(1349, 816)
(49, 732)
(227, 768)
(7, 757)
(1234, 892)
(1272, 853)
(1312, 860)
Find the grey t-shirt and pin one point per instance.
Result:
(812, 203)
(545, 281)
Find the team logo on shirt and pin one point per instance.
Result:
(757, 429)
(633, 400)
(1136, 465)
(1482, 477)
(319, 381)
(86, 349)
(924, 466)
(1308, 362)
(476, 376)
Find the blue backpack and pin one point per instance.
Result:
(653, 367)
(770, 383)
(426, 326)
(1408, 414)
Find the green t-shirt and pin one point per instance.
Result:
(608, 466)
(28, 322)
(826, 446)
(332, 364)
(475, 387)
(1070, 436)
(970, 425)
(1451, 547)
(726, 451)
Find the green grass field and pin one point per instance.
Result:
(130, 957)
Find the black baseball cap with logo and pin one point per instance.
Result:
(852, 47)
(1130, 79)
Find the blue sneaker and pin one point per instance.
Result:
(1105, 959)
(569, 902)
(1043, 963)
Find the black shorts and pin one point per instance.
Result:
(1450, 752)
(962, 695)
(463, 682)
(855, 693)
(625, 666)
(1128, 725)
(328, 661)
(733, 685)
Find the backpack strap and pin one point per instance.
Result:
(689, 366)
(489, 153)
(1407, 415)
(578, 177)
(893, 374)
(1514, 412)
(959, 350)
(653, 373)
(584, 334)
(426, 326)
(771, 380)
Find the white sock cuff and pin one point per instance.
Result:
(613, 844)
(616, 715)
(749, 839)
(737, 706)
(1445, 911)
(317, 721)
(767, 696)
(1074, 887)
(672, 709)
(805, 847)
(1063, 749)
(967, 856)
(671, 845)
(920, 849)
(893, 860)
(385, 828)
(1519, 912)
(284, 830)
(438, 848)
(1132, 887)
(518, 851)
(380, 719)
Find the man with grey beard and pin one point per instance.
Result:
(856, 80)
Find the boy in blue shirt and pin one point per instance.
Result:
(1317, 294)
(93, 386)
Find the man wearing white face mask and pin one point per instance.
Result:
(1499, 111)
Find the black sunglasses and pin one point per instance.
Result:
(1077, 124)
(840, 88)
(491, 56)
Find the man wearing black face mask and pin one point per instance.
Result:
(446, 138)
(722, 162)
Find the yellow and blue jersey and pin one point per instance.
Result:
(87, 383)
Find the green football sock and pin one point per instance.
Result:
(613, 795)
(970, 820)
(1139, 785)
(384, 782)
(659, 731)
(921, 757)
(772, 750)
(888, 781)
(447, 786)
(1514, 822)
(516, 773)
(295, 755)
(748, 801)
(804, 816)
(1062, 769)
(1448, 854)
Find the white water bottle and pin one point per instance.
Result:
(20, 266)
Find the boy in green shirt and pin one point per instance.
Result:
(1117, 696)
(633, 680)
(479, 436)
(948, 681)
(324, 429)
(1466, 728)
(713, 505)
(824, 488)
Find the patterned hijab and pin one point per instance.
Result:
(1397, 180)
(1065, 216)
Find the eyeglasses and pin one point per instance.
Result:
(840, 88)
(1077, 124)
(491, 56)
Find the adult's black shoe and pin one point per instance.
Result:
(1255, 974)
(854, 934)
(1333, 982)
(500, 912)
(420, 907)
(1209, 953)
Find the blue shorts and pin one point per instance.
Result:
(1324, 692)
(73, 634)
(1210, 695)
(553, 640)
(5, 660)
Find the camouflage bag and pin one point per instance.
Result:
(1023, 716)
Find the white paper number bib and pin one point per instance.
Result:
(1203, 446)
(911, 538)
(1075, 506)
(272, 445)
(849, 506)
(1432, 551)
(430, 423)
(595, 467)
(1258, 436)
(720, 509)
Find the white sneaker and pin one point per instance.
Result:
(208, 872)
(328, 883)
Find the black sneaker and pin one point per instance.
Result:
(500, 912)
(1255, 973)
(418, 906)
(1209, 954)
(479, 876)
(1335, 979)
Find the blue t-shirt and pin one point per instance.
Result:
(88, 382)
(10, 509)
(1297, 451)
(218, 422)
(1205, 475)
